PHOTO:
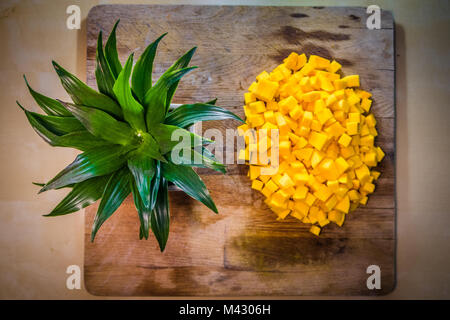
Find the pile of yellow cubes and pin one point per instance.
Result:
(326, 140)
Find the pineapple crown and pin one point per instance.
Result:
(125, 134)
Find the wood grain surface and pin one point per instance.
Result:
(243, 250)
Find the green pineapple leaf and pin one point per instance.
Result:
(182, 62)
(116, 191)
(156, 97)
(165, 137)
(82, 195)
(155, 185)
(143, 170)
(91, 163)
(187, 180)
(160, 215)
(48, 105)
(208, 154)
(84, 95)
(133, 112)
(102, 125)
(82, 140)
(103, 73)
(196, 159)
(141, 79)
(213, 101)
(111, 53)
(188, 114)
(149, 147)
(58, 125)
(144, 212)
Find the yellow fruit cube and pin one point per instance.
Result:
(257, 185)
(265, 89)
(301, 178)
(318, 140)
(310, 199)
(256, 120)
(319, 62)
(315, 230)
(287, 104)
(343, 205)
(352, 81)
(324, 115)
(284, 148)
(363, 174)
(366, 104)
(340, 84)
(249, 97)
(363, 200)
(367, 141)
(352, 128)
(281, 121)
(345, 140)
(341, 165)
(257, 107)
(296, 112)
(269, 117)
(291, 61)
(301, 207)
(286, 181)
(300, 193)
(263, 75)
(323, 193)
(354, 117)
(368, 187)
(380, 154)
(334, 66)
(375, 174)
(301, 61)
(311, 96)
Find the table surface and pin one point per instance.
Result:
(36, 251)
(244, 250)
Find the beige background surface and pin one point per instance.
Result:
(35, 251)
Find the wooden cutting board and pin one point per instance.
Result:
(243, 250)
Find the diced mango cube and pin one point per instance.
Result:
(265, 89)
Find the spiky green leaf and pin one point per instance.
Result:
(141, 79)
(213, 101)
(82, 195)
(156, 97)
(187, 180)
(194, 158)
(116, 191)
(103, 74)
(148, 147)
(144, 212)
(111, 52)
(166, 137)
(133, 112)
(58, 125)
(143, 170)
(102, 125)
(160, 216)
(83, 95)
(182, 62)
(188, 114)
(50, 106)
(82, 140)
(91, 163)
(155, 184)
